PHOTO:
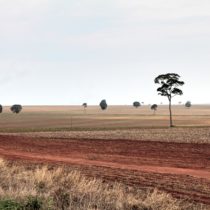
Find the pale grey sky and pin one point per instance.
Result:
(75, 51)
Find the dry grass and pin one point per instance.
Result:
(63, 188)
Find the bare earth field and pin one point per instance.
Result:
(178, 168)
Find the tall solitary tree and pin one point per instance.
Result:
(169, 84)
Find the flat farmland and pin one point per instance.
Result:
(123, 145)
(38, 118)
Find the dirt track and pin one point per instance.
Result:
(181, 169)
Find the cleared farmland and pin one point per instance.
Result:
(179, 135)
(122, 144)
(38, 118)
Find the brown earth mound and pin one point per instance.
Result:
(178, 168)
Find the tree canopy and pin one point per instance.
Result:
(154, 107)
(136, 104)
(84, 105)
(169, 85)
(16, 108)
(188, 104)
(103, 104)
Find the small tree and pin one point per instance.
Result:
(136, 104)
(103, 105)
(169, 88)
(16, 108)
(154, 108)
(85, 106)
(188, 104)
(1, 108)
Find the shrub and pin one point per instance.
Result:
(188, 104)
(103, 105)
(136, 104)
(33, 203)
(10, 205)
(62, 199)
(16, 108)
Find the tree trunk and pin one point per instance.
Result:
(170, 111)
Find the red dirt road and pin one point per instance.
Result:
(181, 169)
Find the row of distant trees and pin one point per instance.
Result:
(168, 87)
(103, 104)
(137, 104)
(16, 108)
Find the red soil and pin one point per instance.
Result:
(181, 169)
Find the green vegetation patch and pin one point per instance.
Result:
(10, 205)
(32, 203)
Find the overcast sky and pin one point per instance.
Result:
(75, 51)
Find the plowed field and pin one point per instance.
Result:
(179, 168)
